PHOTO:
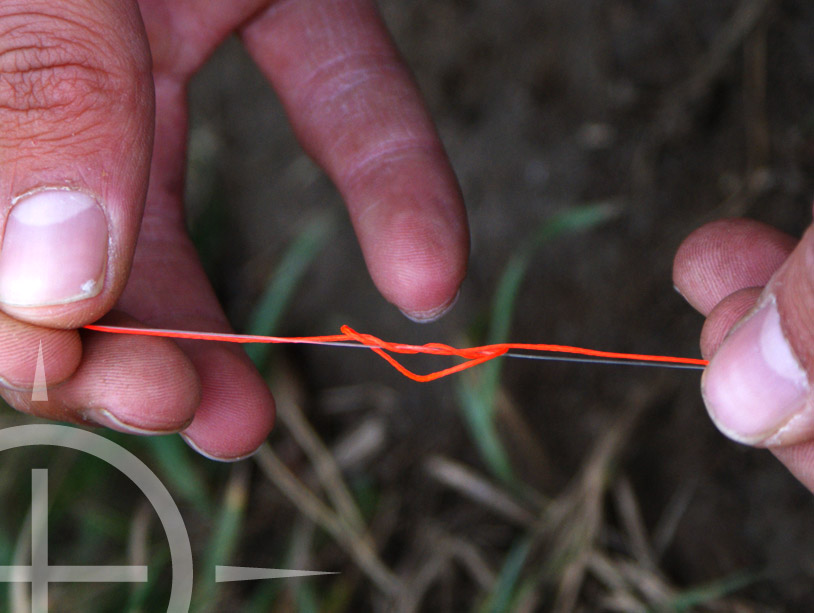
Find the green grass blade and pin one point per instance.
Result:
(507, 581)
(264, 597)
(478, 390)
(174, 460)
(266, 316)
(141, 592)
(692, 598)
(570, 221)
(478, 413)
(224, 537)
(307, 601)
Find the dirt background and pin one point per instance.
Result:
(676, 111)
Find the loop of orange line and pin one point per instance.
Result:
(472, 356)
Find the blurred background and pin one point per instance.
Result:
(590, 137)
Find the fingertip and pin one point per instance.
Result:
(107, 419)
(426, 317)
(236, 413)
(424, 288)
(755, 388)
(799, 459)
(225, 456)
(134, 384)
(357, 110)
(61, 354)
(55, 248)
(725, 256)
(412, 227)
(417, 266)
(77, 107)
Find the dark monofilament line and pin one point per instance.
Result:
(559, 358)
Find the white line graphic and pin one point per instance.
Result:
(40, 574)
(247, 573)
(40, 393)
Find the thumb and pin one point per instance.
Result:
(76, 106)
(757, 386)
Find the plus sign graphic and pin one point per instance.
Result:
(39, 574)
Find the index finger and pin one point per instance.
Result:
(356, 109)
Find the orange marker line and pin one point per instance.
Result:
(472, 356)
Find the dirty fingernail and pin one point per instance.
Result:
(426, 317)
(54, 249)
(210, 456)
(754, 384)
(106, 419)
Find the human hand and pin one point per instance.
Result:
(755, 285)
(83, 107)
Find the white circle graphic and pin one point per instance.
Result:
(140, 474)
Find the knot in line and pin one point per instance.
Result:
(473, 356)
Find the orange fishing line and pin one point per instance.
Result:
(472, 355)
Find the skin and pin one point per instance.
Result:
(725, 269)
(92, 97)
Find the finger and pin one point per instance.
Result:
(357, 111)
(725, 256)
(133, 384)
(799, 459)
(169, 289)
(236, 412)
(167, 286)
(724, 316)
(76, 108)
(20, 342)
(183, 33)
(757, 386)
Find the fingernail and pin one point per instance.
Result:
(426, 317)
(54, 249)
(754, 384)
(106, 419)
(209, 456)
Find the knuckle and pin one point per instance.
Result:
(53, 69)
(43, 78)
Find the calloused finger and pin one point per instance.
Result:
(725, 256)
(133, 384)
